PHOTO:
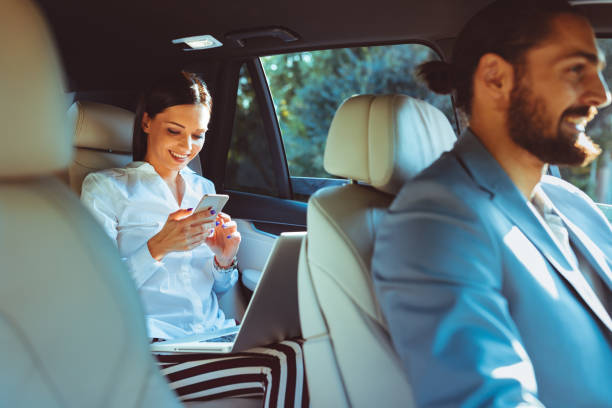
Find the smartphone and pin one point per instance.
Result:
(216, 201)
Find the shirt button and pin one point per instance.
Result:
(198, 328)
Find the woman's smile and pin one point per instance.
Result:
(180, 158)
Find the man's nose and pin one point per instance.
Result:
(598, 93)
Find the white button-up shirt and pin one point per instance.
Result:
(179, 292)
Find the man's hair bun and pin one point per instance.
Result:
(437, 75)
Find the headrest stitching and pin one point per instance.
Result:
(370, 141)
(109, 150)
(394, 151)
(85, 166)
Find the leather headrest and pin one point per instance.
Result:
(99, 126)
(35, 138)
(385, 140)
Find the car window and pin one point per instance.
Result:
(308, 87)
(596, 178)
(249, 164)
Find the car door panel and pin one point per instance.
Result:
(268, 214)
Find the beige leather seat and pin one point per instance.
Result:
(381, 141)
(71, 326)
(102, 140)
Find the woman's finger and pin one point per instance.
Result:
(201, 218)
(229, 227)
(223, 217)
(231, 244)
(234, 238)
(196, 240)
(180, 214)
(205, 227)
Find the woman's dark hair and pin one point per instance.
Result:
(507, 28)
(183, 88)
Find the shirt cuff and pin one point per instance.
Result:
(142, 265)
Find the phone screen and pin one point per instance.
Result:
(216, 201)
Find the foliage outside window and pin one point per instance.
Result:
(308, 87)
(249, 164)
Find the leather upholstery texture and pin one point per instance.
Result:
(102, 140)
(31, 95)
(383, 141)
(101, 126)
(71, 324)
(71, 316)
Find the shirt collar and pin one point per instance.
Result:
(146, 166)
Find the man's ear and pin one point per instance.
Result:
(146, 123)
(494, 78)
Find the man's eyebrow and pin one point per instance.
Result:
(596, 59)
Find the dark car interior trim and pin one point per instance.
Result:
(271, 128)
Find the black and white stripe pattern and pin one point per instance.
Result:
(275, 372)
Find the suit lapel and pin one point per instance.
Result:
(487, 172)
(589, 250)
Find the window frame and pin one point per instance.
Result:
(301, 186)
(271, 127)
(269, 213)
(298, 187)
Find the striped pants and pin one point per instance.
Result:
(275, 372)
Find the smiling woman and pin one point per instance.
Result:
(181, 260)
(169, 97)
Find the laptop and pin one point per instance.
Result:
(271, 316)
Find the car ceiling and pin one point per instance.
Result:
(126, 43)
(114, 40)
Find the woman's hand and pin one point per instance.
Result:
(183, 231)
(225, 239)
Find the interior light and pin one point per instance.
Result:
(199, 42)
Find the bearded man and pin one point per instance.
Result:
(495, 278)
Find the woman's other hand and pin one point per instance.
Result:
(225, 240)
(183, 231)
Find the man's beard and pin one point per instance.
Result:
(529, 125)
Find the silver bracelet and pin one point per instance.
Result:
(229, 268)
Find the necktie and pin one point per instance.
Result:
(560, 233)
(555, 223)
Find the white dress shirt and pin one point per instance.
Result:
(179, 293)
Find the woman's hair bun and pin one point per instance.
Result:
(437, 75)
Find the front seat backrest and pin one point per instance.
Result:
(72, 332)
(381, 141)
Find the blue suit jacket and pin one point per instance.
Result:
(483, 307)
